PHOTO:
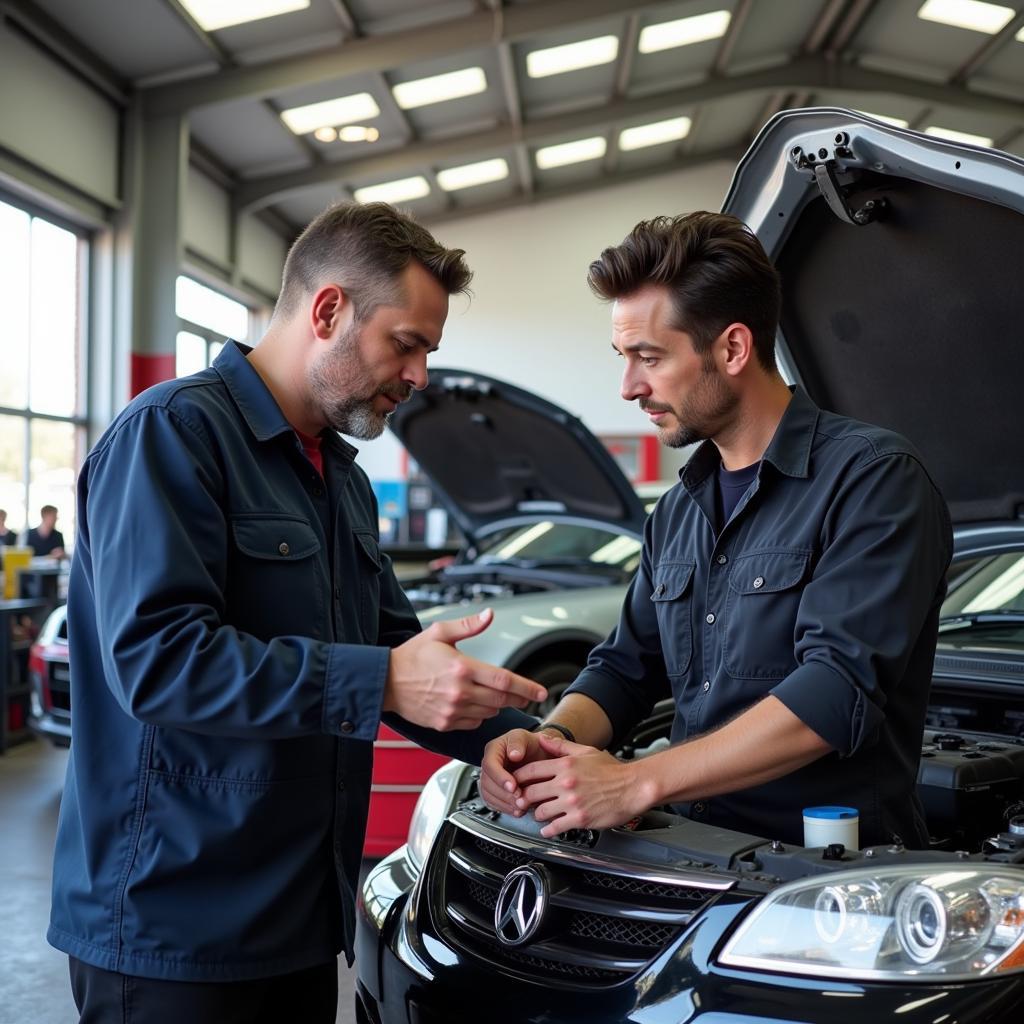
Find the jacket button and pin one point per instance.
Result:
(722, 559)
(758, 582)
(710, 618)
(660, 589)
(347, 727)
(318, 492)
(698, 807)
(707, 685)
(283, 548)
(341, 785)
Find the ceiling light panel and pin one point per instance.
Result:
(557, 60)
(969, 14)
(896, 122)
(331, 113)
(452, 85)
(654, 134)
(468, 175)
(571, 152)
(212, 15)
(401, 191)
(699, 28)
(952, 136)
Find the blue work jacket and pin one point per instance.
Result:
(229, 618)
(823, 589)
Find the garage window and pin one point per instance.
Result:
(43, 268)
(207, 320)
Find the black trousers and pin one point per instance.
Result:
(103, 997)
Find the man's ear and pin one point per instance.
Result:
(326, 311)
(736, 344)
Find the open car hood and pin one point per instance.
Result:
(900, 257)
(496, 452)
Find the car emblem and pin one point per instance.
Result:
(522, 903)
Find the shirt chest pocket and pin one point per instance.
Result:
(672, 598)
(275, 584)
(765, 588)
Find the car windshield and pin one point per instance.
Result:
(562, 544)
(986, 595)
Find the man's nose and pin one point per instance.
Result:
(633, 385)
(414, 372)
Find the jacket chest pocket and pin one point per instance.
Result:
(765, 588)
(368, 557)
(672, 598)
(275, 580)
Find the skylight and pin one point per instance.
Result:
(970, 14)
(438, 88)
(468, 175)
(400, 191)
(331, 113)
(654, 134)
(698, 28)
(948, 133)
(571, 152)
(211, 15)
(556, 60)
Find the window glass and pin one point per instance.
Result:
(12, 470)
(206, 308)
(15, 245)
(189, 353)
(55, 457)
(53, 355)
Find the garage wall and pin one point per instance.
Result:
(206, 220)
(261, 253)
(532, 319)
(54, 121)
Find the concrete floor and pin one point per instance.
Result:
(34, 987)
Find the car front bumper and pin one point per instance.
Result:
(409, 974)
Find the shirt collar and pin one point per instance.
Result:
(257, 405)
(789, 450)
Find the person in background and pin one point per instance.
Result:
(7, 537)
(45, 539)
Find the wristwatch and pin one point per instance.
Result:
(565, 731)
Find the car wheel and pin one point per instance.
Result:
(555, 676)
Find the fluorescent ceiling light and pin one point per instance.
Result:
(696, 29)
(468, 175)
(438, 88)
(572, 152)
(969, 14)
(556, 60)
(948, 133)
(898, 122)
(211, 15)
(331, 113)
(655, 134)
(400, 191)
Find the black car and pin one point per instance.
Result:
(900, 260)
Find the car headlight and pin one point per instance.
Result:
(433, 806)
(902, 923)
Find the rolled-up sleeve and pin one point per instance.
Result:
(875, 589)
(156, 537)
(625, 674)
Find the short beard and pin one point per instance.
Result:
(706, 410)
(342, 388)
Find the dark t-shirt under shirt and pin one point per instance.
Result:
(732, 484)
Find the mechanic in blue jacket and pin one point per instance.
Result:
(789, 586)
(236, 637)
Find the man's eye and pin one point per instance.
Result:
(649, 361)
(404, 348)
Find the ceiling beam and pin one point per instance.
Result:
(987, 49)
(812, 73)
(850, 26)
(728, 154)
(381, 53)
(731, 37)
(51, 35)
(823, 25)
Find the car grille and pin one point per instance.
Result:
(601, 927)
(59, 682)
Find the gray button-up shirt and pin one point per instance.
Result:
(823, 589)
